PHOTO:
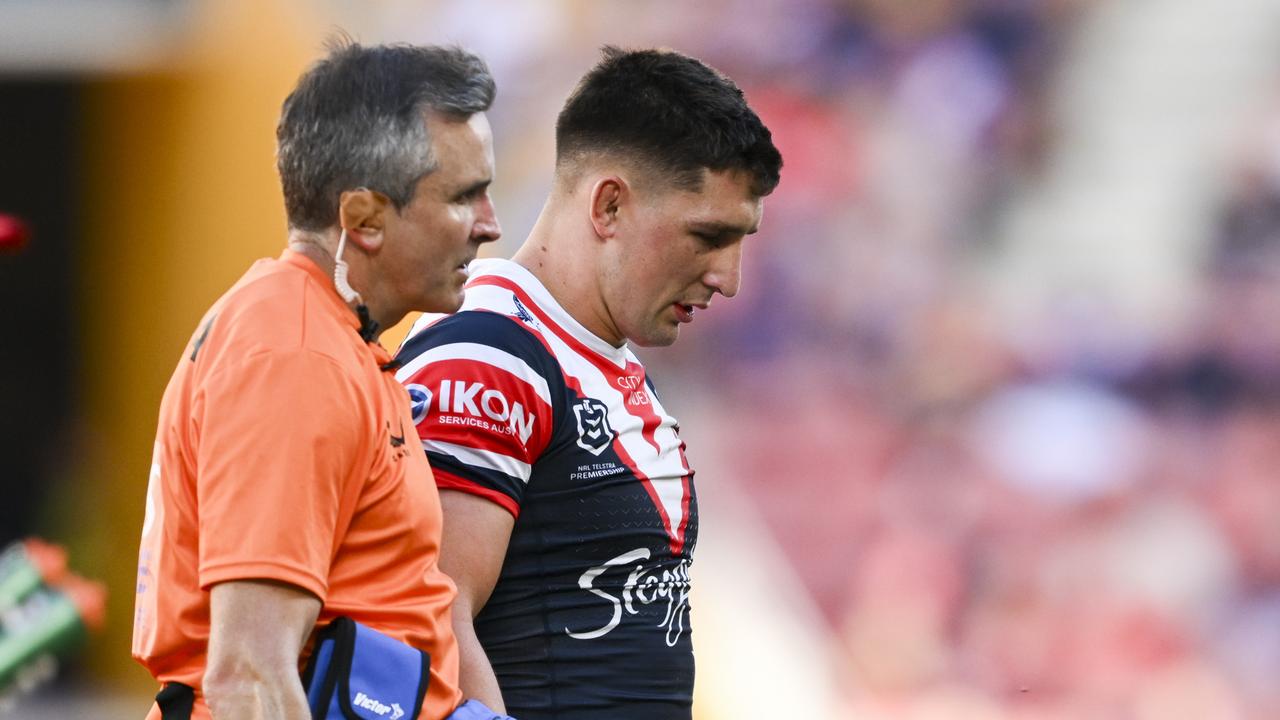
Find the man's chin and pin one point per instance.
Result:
(444, 304)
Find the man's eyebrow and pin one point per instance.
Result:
(721, 228)
(475, 187)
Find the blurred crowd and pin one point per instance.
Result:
(1041, 519)
(999, 521)
(1006, 521)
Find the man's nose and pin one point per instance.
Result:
(486, 228)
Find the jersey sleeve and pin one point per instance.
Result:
(279, 432)
(481, 387)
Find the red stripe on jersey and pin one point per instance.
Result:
(449, 481)
(637, 401)
(687, 481)
(644, 411)
(476, 396)
(479, 434)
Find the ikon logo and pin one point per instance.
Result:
(594, 433)
(462, 398)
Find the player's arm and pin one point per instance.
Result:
(481, 387)
(475, 537)
(257, 631)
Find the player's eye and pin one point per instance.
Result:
(713, 239)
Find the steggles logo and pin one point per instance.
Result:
(645, 585)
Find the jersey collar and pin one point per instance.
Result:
(538, 292)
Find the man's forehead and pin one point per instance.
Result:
(469, 134)
(462, 147)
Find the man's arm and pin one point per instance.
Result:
(257, 630)
(475, 537)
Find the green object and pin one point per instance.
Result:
(19, 577)
(46, 623)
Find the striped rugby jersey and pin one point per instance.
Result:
(515, 401)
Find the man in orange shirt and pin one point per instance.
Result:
(283, 492)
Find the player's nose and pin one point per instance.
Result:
(725, 273)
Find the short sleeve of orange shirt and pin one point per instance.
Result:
(275, 446)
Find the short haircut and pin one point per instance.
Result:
(670, 114)
(358, 119)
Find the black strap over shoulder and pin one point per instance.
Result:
(176, 701)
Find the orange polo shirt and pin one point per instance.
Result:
(284, 452)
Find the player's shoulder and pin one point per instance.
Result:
(481, 336)
(495, 327)
(497, 303)
(491, 316)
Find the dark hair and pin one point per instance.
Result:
(671, 114)
(358, 119)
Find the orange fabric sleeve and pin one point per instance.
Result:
(279, 433)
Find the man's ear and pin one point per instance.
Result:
(363, 214)
(609, 195)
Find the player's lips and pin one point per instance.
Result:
(684, 311)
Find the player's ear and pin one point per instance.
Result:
(608, 195)
(363, 214)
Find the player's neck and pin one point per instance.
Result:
(564, 261)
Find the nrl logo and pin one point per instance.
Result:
(594, 433)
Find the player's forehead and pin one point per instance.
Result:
(724, 202)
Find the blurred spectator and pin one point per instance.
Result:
(996, 528)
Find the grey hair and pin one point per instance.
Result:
(357, 118)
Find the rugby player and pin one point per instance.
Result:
(570, 511)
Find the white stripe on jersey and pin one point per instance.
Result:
(480, 458)
(486, 354)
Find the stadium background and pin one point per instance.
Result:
(991, 433)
